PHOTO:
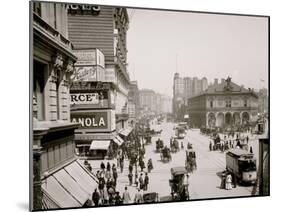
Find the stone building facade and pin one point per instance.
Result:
(52, 131)
(224, 104)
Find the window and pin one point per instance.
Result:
(37, 8)
(38, 90)
(58, 94)
(228, 103)
(211, 104)
(245, 103)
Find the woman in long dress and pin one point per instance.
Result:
(228, 182)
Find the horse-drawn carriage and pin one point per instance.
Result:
(179, 183)
(147, 139)
(159, 145)
(190, 161)
(174, 145)
(165, 154)
(153, 132)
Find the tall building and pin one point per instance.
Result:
(263, 100)
(147, 100)
(98, 35)
(187, 89)
(166, 104)
(133, 103)
(134, 95)
(183, 89)
(224, 105)
(105, 28)
(53, 132)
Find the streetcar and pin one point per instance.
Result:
(242, 165)
(180, 132)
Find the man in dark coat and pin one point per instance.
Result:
(102, 166)
(96, 197)
(146, 181)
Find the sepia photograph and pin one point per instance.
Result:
(138, 105)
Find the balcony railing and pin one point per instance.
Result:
(51, 31)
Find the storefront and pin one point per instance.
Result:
(92, 106)
(98, 145)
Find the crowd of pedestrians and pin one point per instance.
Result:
(107, 176)
(224, 142)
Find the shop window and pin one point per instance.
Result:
(39, 81)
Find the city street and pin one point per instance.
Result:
(203, 183)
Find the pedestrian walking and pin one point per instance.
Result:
(98, 174)
(223, 177)
(121, 165)
(141, 181)
(130, 176)
(149, 165)
(138, 197)
(101, 186)
(115, 175)
(130, 168)
(228, 182)
(102, 166)
(136, 180)
(105, 196)
(146, 181)
(126, 196)
(118, 199)
(251, 149)
(108, 166)
(89, 167)
(96, 197)
(108, 174)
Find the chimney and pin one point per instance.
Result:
(216, 81)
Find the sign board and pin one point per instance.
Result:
(89, 57)
(85, 98)
(95, 120)
(89, 65)
(92, 120)
(110, 75)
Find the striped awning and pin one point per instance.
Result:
(126, 131)
(100, 145)
(118, 140)
(71, 186)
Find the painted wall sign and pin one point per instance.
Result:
(83, 9)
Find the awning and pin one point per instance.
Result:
(118, 140)
(126, 131)
(71, 186)
(64, 199)
(100, 144)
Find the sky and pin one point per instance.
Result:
(161, 43)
